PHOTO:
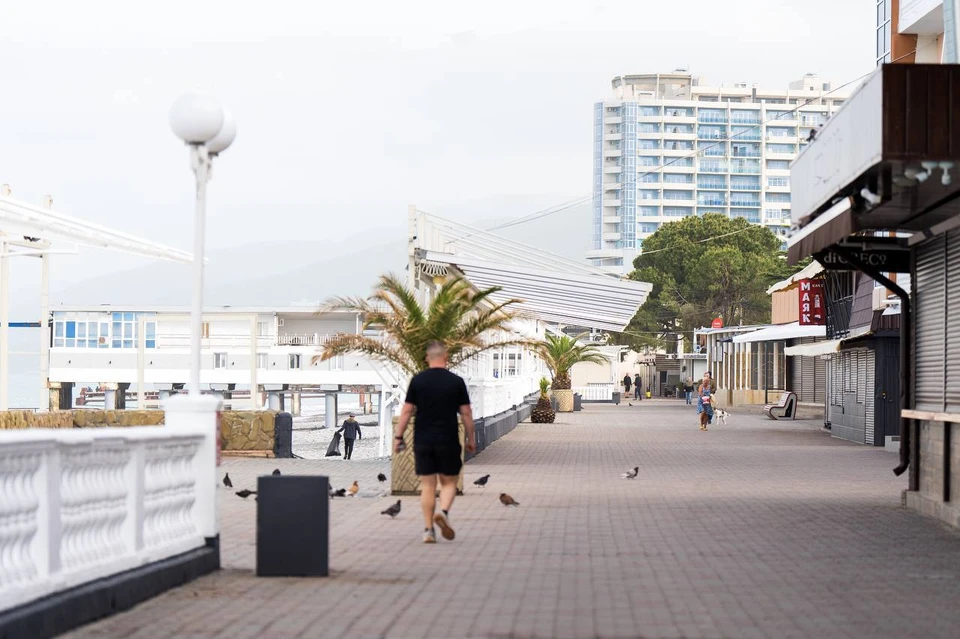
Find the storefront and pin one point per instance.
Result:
(876, 193)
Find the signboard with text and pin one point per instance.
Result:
(812, 303)
(888, 259)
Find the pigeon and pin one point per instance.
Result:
(245, 493)
(354, 488)
(276, 472)
(381, 478)
(226, 481)
(629, 404)
(507, 500)
(631, 474)
(482, 481)
(340, 492)
(393, 511)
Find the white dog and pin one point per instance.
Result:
(720, 416)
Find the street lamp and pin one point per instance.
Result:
(208, 129)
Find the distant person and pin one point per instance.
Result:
(627, 382)
(637, 387)
(438, 396)
(705, 400)
(688, 390)
(351, 432)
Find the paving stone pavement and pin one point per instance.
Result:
(754, 529)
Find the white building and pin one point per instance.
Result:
(666, 146)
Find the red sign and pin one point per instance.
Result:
(812, 303)
(717, 323)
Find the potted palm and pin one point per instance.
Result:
(560, 353)
(543, 412)
(465, 319)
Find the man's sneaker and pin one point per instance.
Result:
(443, 522)
(429, 537)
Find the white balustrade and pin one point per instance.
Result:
(79, 505)
(596, 392)
(491, 397)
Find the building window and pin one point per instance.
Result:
(205, 330)
(219, 360)
(884, 10)
(677, 211)
(263, 328)
(262, 361)
(778, 197)
(649, 227)
(778, 165)
(778, 181)
(294, 361)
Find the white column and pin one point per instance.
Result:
(273, 400)
(4, 324)
(201, 166)
(254, 345)
(110, 398)
(141, 362)
(330, 412)
(44, 330)
(198, 414)
(384, 426)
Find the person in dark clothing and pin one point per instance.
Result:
(637, 386)
(438, 397)
(626, 384)
(351, 431)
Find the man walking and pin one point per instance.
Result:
(637, 386)
(438, 396)
(351, 431)
(627, 381)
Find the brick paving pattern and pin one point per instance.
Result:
(755, 529)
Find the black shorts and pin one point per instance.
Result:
(430, 459)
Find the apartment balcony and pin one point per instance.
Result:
(302, 339)
(611, 202)
(753, 204)
(678, 119)
(612, 119)
(612, 153)
(678, 186)
(611, 236)
(611, 219)
(790, 157)
(684, 203)
(606, 252)
(608, 135)
(612, 169)
(670, 152)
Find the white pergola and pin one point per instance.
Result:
(27, 230)
(553, 288)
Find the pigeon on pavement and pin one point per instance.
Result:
(393, 511)
(381, 478)
(507, 500)
(276, 472)
(482, 481)
(226, 481)
(340, 492)
(245, 493)
(631, 474)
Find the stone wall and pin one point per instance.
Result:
(247, 431)
(239, 430)
(929, 500)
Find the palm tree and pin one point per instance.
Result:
(463, 318)
(561, 352)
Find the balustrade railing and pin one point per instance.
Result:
(596, 392)
(76, 506)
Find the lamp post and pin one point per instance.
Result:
(208, 130)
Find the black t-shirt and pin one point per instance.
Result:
(438, 395)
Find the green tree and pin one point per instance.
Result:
(462, 318)
(704, 267)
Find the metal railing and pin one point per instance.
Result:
(596, 392)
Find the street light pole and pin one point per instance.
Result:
(200, 159)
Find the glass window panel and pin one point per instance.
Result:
(58, 342)
(82, 329)
(128, 317)
(118, 317)
(151, 330)
(116, 343)
(58, 329)
(91, 343)
(71, 329)
(104, 329)
(128, 343)
(151, 343)
(127, 330)
(887, 9)
(71, 342)
(117, 329)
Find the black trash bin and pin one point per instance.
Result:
(293, 526)
(616, 397)
(283, 436)
(577, 401)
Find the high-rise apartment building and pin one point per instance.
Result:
(666, 147)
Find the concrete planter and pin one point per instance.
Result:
(403, 474)
(564, 400)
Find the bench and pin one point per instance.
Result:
(787, 406)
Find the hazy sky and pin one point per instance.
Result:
(347, 112)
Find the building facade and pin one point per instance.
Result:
(665, 147)
(881, 190)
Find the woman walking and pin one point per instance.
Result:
(705, 401)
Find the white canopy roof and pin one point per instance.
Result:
(594, 301)
(23, 219)
(825, 347)
(781, 332)
(812, 269)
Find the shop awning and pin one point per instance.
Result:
(781, 332)
(811, 270)
(813, 350)
(831, 226)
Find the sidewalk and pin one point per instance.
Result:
(755, 529)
